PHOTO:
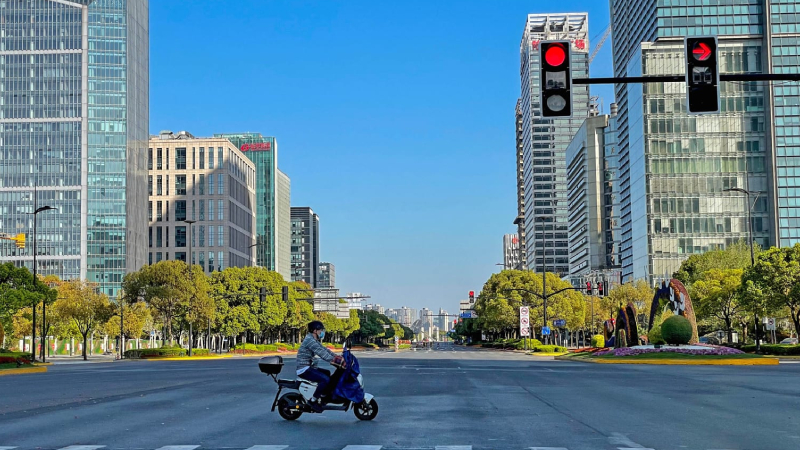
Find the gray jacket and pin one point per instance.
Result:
(308, 349)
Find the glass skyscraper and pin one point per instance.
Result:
(273, 210)
(544, 140)
(74, 81)
(675, 167)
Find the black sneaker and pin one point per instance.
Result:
(316, 407)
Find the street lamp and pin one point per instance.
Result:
(750, 237)
(544, 267)
(35, 213)
(501, 264)
(190, 262)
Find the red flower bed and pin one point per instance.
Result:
(586, 349)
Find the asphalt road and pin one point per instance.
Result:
(427, 399)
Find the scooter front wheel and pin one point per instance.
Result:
(366, 410)
(289, 406)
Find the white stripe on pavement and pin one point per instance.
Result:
(179, 447)
(548, 448)
(453, 447)
(7, 448)
(83, 447)
(268, 447)
(633, 448)
(363, 447)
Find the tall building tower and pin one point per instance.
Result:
(676, 168)
(305, 246)
(511, 257)
(273, 223)
(544, 140)
(74, 102)
(206, 184)
(519, 221)
(327, 275)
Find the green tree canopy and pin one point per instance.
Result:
(17, 291)
(773, 283)
(716, 294)
(84, 305)
(736, 256)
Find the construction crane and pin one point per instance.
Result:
(599, 45)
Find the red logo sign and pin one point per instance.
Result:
(580, 44)
(256, 146)
(535, 44)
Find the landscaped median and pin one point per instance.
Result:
(242, 350)
(17, 363)
(677, 355)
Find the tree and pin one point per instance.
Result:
(717, 294)
(172, 292)
(735, 256)
(773, 283)
(82, 304)
(18, 291)
(137, 316)
(638, 292)
(371, 325)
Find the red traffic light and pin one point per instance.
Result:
(701, 51)
(555, 55)
(472, 293)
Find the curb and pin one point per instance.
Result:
(21, 371)
(683, 362)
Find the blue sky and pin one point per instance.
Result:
(394, 120)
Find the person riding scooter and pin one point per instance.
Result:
(307, 361)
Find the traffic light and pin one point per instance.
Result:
(555, 84)
(472, 296)
(262, 295)
(600, 291)
(702, 75)
(20, 240)
(588, 288)
(285, 293)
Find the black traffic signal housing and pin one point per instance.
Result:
(702, 75)
(600, 289)
(262, 295)
(472, 296)
(588, 288)
(285, 293)
(555, 83)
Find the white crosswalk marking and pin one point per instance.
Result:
(7, 448)
(453, 447)
(83, 447)
(633, 448)
(268, 447)
(179, 447)
(363, 447)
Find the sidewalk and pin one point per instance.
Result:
(78, 359)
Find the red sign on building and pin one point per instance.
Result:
(580, 44)
(258, 146)
(535, 44)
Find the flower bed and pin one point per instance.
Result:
(627, 351)
(588, 350)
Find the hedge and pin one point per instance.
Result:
(774, 349)
(15, 355)
(598, 341)
(155, 352)
(549, 349)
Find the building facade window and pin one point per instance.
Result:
(180, 210)
(180, 236)
(180, 185)
(180, 159)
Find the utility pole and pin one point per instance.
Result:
(190, 262)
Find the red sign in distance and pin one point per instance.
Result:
(555, 55)
(701, 51)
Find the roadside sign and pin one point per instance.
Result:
(469, 315)
(770, 324)
(546, 331)
(524, 311)
(525, 332)
(559, 323)
(523, 322)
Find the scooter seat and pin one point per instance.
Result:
(291, 384)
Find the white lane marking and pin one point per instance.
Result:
(547, 448)
(179, 447)
(363, 447)
(7, 448)
(268, 447)
(634, 448)
(453, 447)
(83, 447)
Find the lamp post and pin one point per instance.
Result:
(544, 269)
(190, 263)
(35, 213)
(750, 238)
(501, 264)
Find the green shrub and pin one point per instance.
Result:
(549, 349)
(676, 330)
(598, 341)
(200, 352)
(163, 352)
(774, 349)
(15, 355)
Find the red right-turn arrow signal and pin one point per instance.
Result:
(701, 51)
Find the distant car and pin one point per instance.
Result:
(710, 340)
(792, 341)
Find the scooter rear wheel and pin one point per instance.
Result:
(366, 410)
(287, 406)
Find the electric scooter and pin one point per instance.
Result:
(293, 403)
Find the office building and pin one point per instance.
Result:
(74, 106)
(273, 222)
(676, 168)
(327, 275)
(519, 221)
(406, 316)
(544, 140)
(444, 320)
(376, 307)
(305, 245)
(207, 181)
(511, 254)
(329, 301)
(355, 300)
(591, 202)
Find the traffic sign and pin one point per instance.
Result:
(559, 323)
(546, 331)
(523, 322)
(524, 311)
(469, 315)
(525, 332)
(770, 322)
